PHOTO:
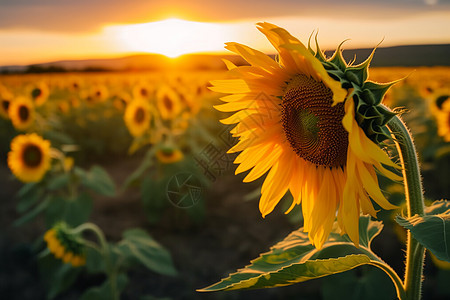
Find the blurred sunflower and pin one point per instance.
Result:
(440, 97)
(189, 100)
(121, 101)
(29, 158)
(137, 117)
(168, 102)
(96, 94)
(142, 91)
(65, 246)
(443, 121)
(313, 124)
(21, 112)
(5, 100)
(64, 106)
(39, 94)
(99, 93)
(168, 155)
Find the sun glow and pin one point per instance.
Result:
(171, 37)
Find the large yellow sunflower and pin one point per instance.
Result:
(137, 117)
(21, 112)
(29, 158)
(313, 124)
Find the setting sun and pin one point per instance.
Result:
(171, 37)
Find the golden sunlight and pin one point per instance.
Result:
(171, 37)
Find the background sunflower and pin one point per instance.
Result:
(29, 158)
(21, 112)
(137, 117)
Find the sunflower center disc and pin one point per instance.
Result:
(32, 156)
(24, 113)
(5, 104)
(313, 127)
(36, 93)
(139, 115)
(168, 103)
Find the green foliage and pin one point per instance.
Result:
(146, 163)
(432, 229)
(365, 282)
(98, 180)
(138, 246)
(63, 196)
(73, 211)
(58, 277)
(104, 292)
(295, 260)
(153, 178)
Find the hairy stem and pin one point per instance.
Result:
(415, 205)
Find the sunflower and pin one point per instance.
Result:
(99, 93)
(21, 112)
(29, 158)
(168, 102)
(443, 121)
(39, 94)
(65, 246)
(5, 101)
(121, 100)
(168, 155)
(137, 117)
(64, 106)
(142, 91)
(313, 124)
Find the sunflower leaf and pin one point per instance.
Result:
(433, 229)
(295, 260)
(138, 246)
(98, 180)
(146, 163)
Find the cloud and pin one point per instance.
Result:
(92, 15)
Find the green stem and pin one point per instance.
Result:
(395, 279)
(111, 271)
(415, 205)
(379, 263)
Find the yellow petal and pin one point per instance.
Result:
(230, 86)
(370, 183)
(263, 166)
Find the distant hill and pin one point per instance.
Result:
(402, 56)
(417, 55)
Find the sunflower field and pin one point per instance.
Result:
(122, 186)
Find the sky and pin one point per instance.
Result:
(34, 31)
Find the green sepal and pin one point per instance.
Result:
(295, 260)
(376, 90)
(359, 73)
(319, 53)
(432, 229)
(371, 116)
(337, 59)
